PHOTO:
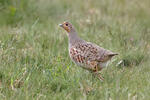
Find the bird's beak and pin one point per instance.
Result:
(61, 25)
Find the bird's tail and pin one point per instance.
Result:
(113, 54)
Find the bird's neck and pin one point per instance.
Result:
(73, 38)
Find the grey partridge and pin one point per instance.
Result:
(86, 54)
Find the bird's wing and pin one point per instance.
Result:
(93, 52)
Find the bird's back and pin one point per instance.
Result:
(83, 53)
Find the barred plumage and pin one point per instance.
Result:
(86, 54)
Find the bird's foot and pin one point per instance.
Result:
(99, 76)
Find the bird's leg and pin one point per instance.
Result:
(94, 65)
(98, 74)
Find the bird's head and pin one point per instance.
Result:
(67, 26)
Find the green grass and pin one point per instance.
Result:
(34, 60)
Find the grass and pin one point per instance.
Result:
(34, 60)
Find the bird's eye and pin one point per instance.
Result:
(66, 24)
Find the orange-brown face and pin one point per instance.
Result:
(67, 26)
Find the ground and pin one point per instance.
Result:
(34, 60)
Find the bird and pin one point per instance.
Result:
(86, 54)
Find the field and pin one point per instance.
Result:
(34, 60)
